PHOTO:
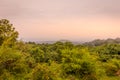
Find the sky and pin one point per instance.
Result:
(74, 20)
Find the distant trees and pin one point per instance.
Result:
(99, 42)
(8, 35)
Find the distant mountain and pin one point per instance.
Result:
(51, 42)
(45, 42)
(98, 42)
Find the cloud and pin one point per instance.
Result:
(58, 8)
(8, 9)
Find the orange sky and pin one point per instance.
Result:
(74, 29)
(75, 20)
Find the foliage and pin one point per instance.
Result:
(8, 35)
(79, 63)
(21, 60)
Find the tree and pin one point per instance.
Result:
(79, 63)
(13, 64)
(8, 35)
(42, 72)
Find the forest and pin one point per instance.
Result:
(19, 60)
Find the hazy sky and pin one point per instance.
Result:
(79, 20)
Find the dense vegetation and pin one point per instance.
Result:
(58, 61)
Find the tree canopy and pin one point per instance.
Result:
(58, 61)
(8, 35)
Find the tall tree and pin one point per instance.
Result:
(8, 35)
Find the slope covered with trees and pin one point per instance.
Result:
(58, 61)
